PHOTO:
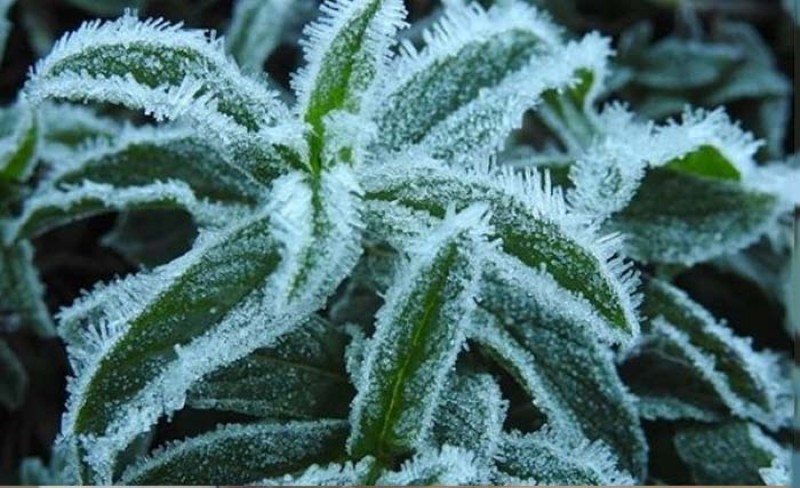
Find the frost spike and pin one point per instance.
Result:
(236, 454)
(447, 466)
(345, 49)
(526, 213)
(419, 332)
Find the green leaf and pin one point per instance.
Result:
(300, 376)
(49, 207)
(21, 291)
(705, 161)
(237, 454)
(19, 141)
(345, 50)
(13, 379)
(547, 457)
(747, 382)
(526, 214)
(471, 416)
(170, 73)
(139, 156)
(469, 50)
(537, 333)
(419, 332)
(151, 334)
(677, 217)
(731, 453)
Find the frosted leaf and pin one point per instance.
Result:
(345, 49)
(677, 217)
(67, 128)
(778, 473)
(609, 173)
(418, 334)
(257, 28)
(479, 127)
(13, 379)
(238, 454)
(548, 457)
(471, 416)
(172, 73)
(749, 383)
(448, 466)
(728, 453)
(21, 291)
(527, 212)
(467, 51)
(537, 332)
(347, 474)
(354, 353)
(20, 135)
(151, 56)
(143, 155)
(397, 225)
(5, 25)
(224, 295)
(300, 376)
(49, 207)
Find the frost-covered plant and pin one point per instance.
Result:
(390, 179)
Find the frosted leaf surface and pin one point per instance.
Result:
(471, 416)
(448, 466)
(20, 135)
(677, 217)
(50, 207)
(172, 73)
(479, 127)
(535, 224)
(151, 333)
(300, 376)
(22, 292)
(537, 332)
(68, 128)
(347, 474)
(418, 334)
(241, 453)
(345, 49)
(257, 28)
(749, 383)
(727, 453)
(778, 473)
(13, 379)
(548, 457)
(467, 51)
(138, 156)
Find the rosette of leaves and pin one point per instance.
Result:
(379, 176)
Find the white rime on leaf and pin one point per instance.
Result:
(138, 155)
(535, 330)
(257, 28)
(419, 332)
(526, 210)
(448, 466)
(22, 292)
(727, 453)
(347, 474)
(51, 207)
(67, 129)
(240, 453)
(467, 51)
(471, 416)
(20, 136)
(550, 457)
(751, 384)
